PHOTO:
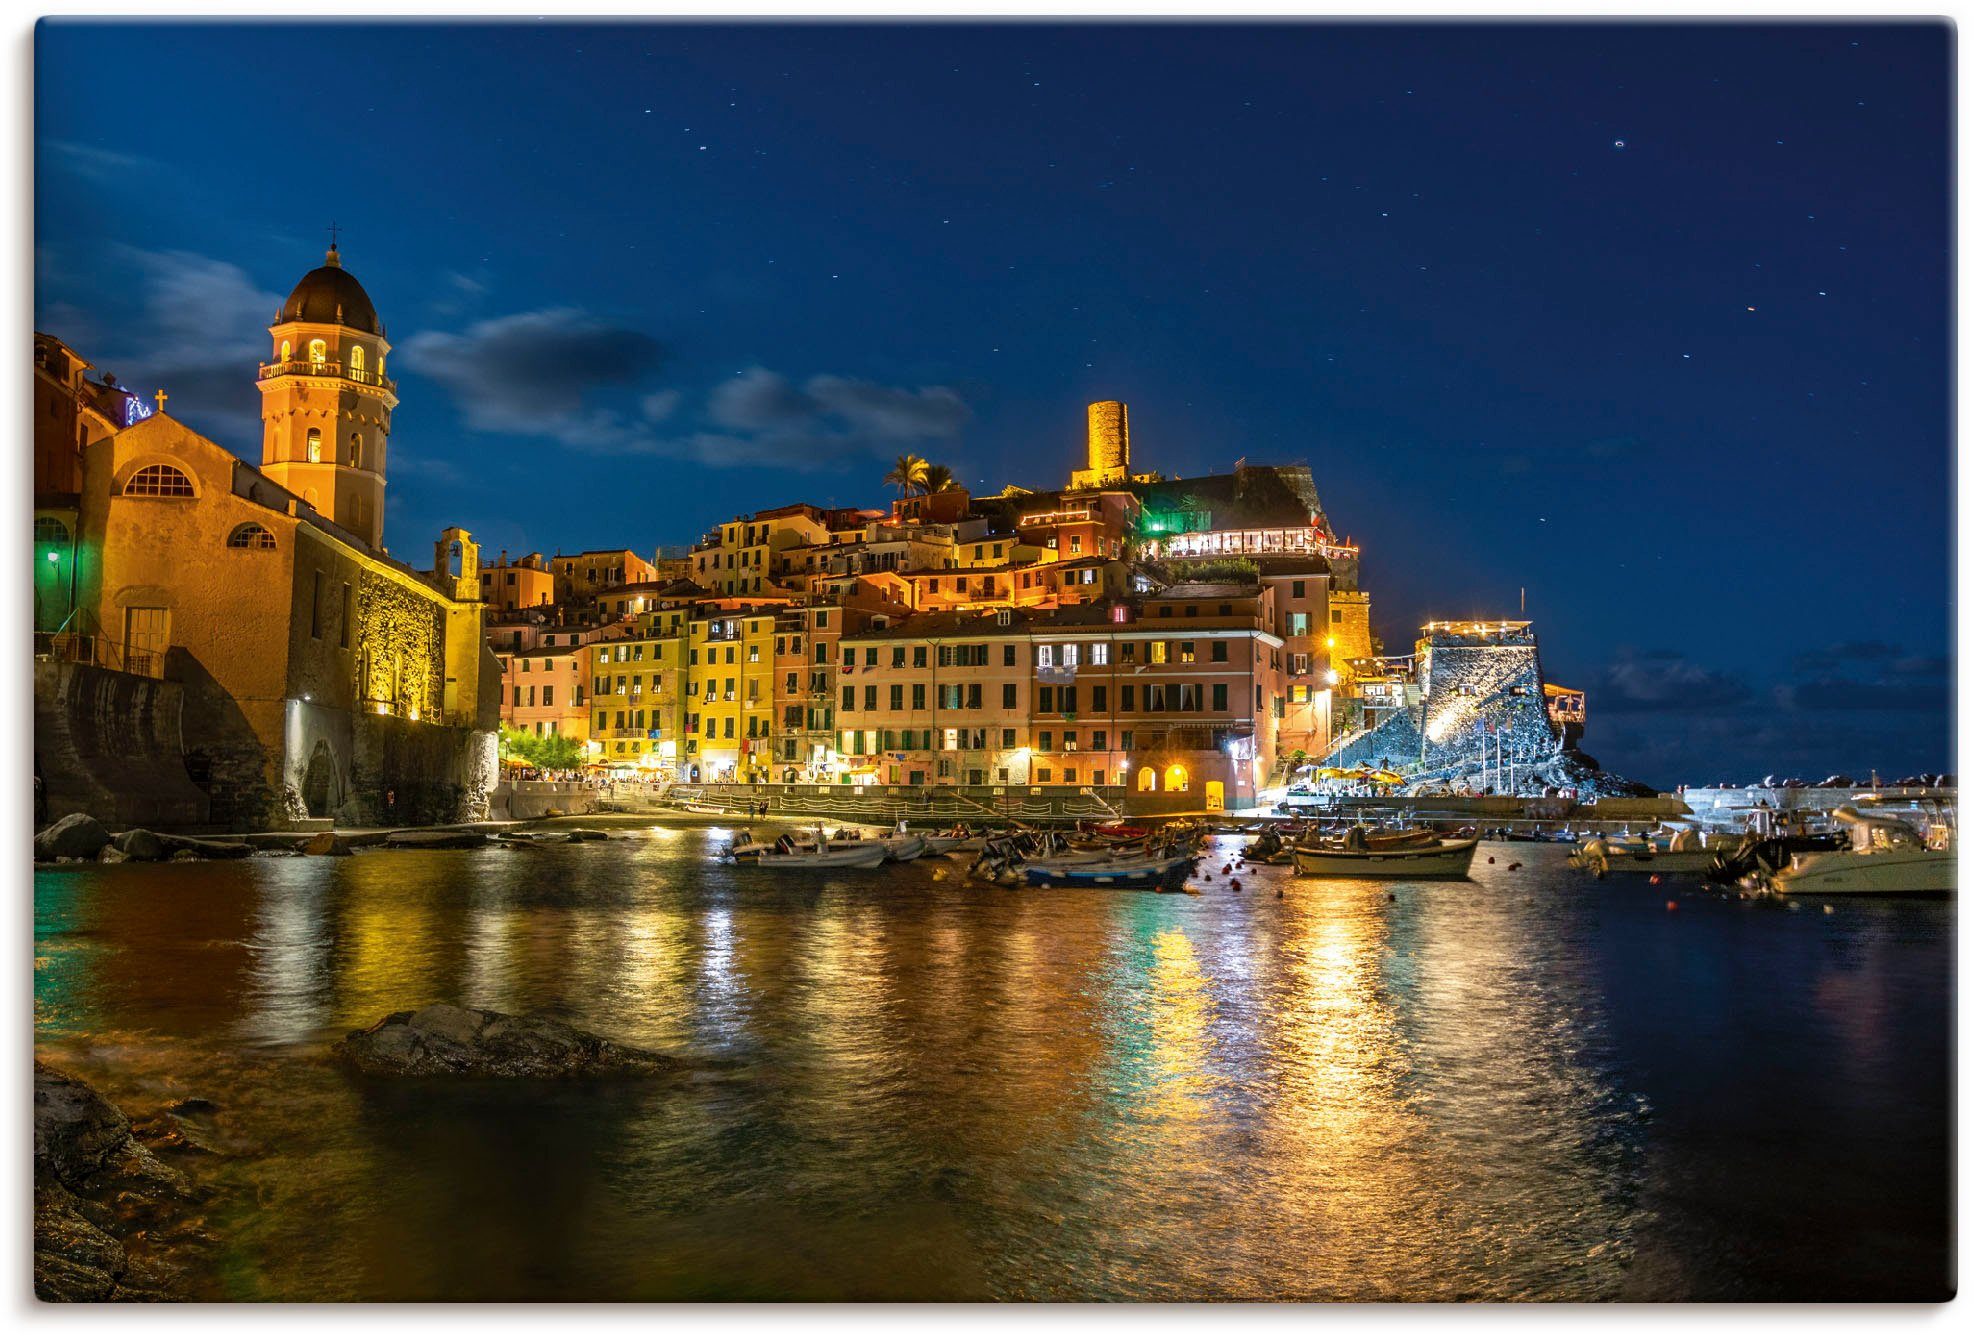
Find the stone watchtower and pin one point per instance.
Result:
(325, 401)
(1109, 446)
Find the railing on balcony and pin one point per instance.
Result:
(304, 367)
(99, 652)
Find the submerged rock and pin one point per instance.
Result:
(444, 1040)
(435, 840)
(76, 836)
(326, 843)
(180, 846)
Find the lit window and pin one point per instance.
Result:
(158, 480)
(315, 445)
(50, 531)
(356, 451)
(356, 362)
(287, 350)
(318, 351)
(250, 536)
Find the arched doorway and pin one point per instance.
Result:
(319, 782)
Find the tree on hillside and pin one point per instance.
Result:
(908, 474)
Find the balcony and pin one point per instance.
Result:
(303, 367)
(99, 652)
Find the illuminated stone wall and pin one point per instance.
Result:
(403, 773)
(401, 641)
(1464, 685)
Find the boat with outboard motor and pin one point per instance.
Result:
(786, 854)
(1684, 850)
(1886, 856)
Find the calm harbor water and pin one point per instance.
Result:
(1527, 1086)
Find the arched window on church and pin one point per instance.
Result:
(315, 445)
(250, 535)
(356, 362)
(356, 451)
(318, 351)
(287, 350)
(158, 480)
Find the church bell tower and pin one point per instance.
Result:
(326, 403)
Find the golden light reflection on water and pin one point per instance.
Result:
(1181, 1007)
(940, 1089)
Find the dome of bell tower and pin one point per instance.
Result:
(330, 295)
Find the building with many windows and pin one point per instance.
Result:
(1178, 696)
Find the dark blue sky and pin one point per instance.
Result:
(1654, 321)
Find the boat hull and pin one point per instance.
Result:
(858, 856)
(1449, 861)
(1142, 873)
(1880, 873)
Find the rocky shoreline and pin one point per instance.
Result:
(80, 838)
(121, 1207)
(113, 1220)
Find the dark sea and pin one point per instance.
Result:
(1530, 1086)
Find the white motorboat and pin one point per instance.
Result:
(1447, 859)
(1888, 857)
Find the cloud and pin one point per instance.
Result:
(1665, 680)
(585, 384)
(1901, 682)
(531, 373)
(1845, 652)
(96, 164)
(759, 400)
(889, 414)
(198, 329)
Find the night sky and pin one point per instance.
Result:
(1653, 322)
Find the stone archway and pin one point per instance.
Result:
(319, 782)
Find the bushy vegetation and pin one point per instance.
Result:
(550, 752)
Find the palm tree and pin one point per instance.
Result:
(938, 478)
(907, 474)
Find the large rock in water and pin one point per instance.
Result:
(141, 845)
(102, 1201)
(76, 836)
(447, 1041)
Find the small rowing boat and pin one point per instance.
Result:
(1446, 859)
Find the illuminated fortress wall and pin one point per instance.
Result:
(1465, 680)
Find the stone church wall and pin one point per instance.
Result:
(405, 773)
(109, 744)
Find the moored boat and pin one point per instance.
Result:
(1138, 872)
(1446, 859)
(1887, 857)
(787, 854)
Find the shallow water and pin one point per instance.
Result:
(1526, 1086)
